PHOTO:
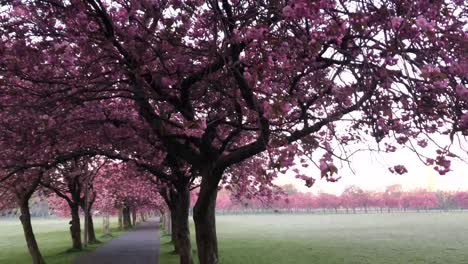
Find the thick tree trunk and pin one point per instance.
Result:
(127, 222)
(205, 223)
(90, 224)
(75, 228)
(174, 230)
(29, 234)
(91, 233)
(182, 226)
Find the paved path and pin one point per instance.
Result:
(138, 246)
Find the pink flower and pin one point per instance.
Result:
(422, 143)
(423, 24)
(286, 107)
(429, 70)
(267, 109)
(288, 11)
(257, 33)
(396, 22)
(399, 169)
(93, 26)
(464, 121)
(441, 84)
(462, 91)
(323, 166)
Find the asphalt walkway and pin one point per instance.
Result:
(140, 245)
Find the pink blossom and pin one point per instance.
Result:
(93, 26)
(399, 169)
(464, 121)
(462, 91)
(288, 11)
(396, 22)
(285, 108)
(423, 24)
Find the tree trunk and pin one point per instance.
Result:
(90, 224)
(91, 233)
(25, 219)
(182, 226)
(75, 228)
(205, 223)
(127, 222)
(173, 224)
(105, 225)
(134, 216)
(120, 218)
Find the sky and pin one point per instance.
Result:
(371, 173)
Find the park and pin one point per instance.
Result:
(233, 131)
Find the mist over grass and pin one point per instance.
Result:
(396, 238)
(53, 237)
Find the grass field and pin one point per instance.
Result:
(53, 237)
(406, 238)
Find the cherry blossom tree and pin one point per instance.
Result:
(461, 199)
(329, 201)
(71, 181)
(218, 82)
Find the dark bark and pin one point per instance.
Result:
(134, 216)
(75, 228)
(205, 220)
(127, 222)
(182, 225)
(29, 234)
(170, 197)
(174, 230)
(91, 232)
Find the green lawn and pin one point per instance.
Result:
(406, 238)
(53, 237)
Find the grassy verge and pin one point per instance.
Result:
(166, 253)
(414, 238)
(53, 237)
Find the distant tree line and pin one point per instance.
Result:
(353, 199)
(38, 205)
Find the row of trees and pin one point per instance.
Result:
(199, 94)
(353, 198)
(85, 187)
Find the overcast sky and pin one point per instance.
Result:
(371, 173)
